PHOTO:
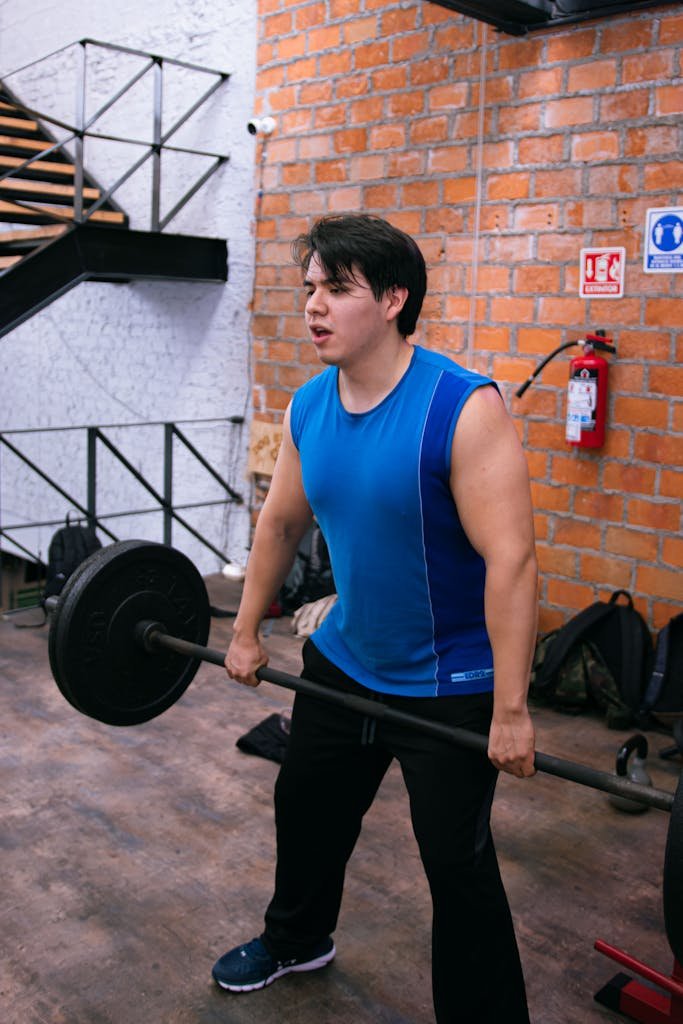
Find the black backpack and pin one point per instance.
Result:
(70, 546)
(663, 698)
(311, 574)
(619, 635)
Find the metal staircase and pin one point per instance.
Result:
(63, 227)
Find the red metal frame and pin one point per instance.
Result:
(642, 1002)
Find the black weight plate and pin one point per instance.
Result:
(98, 662)
(673, 877)
(55, 632)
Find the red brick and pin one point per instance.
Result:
(523, 118)
(662, 613)
(428, 129)
(290, 47)
(595, 505)
(381, 197)
(672, 551)
(575, 469)
(508, 186)
(631, 543)
(546, 435)
(398, 21)
(312, 14)
(404, 48)
(671, 29)
(569, 595)
(629, 478)
(595, 146)
(390, 78)
(371, 56)
(665, 449)
(553, 310)
(350, 140)
(658, 515)
(536, 216)
(447, 97)
(595, 75)
(671, 484)
(277, 25)
(546, 150)
(526, 53)
(558, 561)
(350, 86)
(331, 170)
(630, 34)
(669, 100)
(359, 30)
(651, 139)
(365, 110)
(387, 136)
(334, 64)
(455, 38)
(549, 619)
(406, 104)
(550, 498)
(577, 534)
(536, 279)
(661, 582)
(569, 111)
(641, 412)
(545, 82)
(612, 572)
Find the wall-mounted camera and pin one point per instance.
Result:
(261, 126)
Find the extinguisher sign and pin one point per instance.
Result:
(602, 273)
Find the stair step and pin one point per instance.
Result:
(8, 261)
(18, 125)
(41, 191)
(27, 146)
(46, 231)
(23, 241)
(9, 109)
(14, 214)
(46, 169)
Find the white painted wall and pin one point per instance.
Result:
(146, 351)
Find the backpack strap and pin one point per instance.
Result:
(633, 668)
(654, 686)
(567, 636)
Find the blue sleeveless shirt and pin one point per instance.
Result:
(409, 618)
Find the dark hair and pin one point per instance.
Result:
(386, 256)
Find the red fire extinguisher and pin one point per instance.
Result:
(586, 392)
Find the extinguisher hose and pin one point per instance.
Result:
(544, 362)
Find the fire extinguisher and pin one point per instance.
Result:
(586, 391)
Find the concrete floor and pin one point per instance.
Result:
(132, 858)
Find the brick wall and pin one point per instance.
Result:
(503, 156)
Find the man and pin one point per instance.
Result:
(415, 474)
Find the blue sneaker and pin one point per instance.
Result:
(251, 966)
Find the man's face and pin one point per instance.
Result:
(343, 318)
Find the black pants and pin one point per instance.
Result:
(334, 764)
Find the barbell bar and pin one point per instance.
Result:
(152, 636)
(129, 631)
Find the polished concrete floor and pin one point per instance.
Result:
(132, 858)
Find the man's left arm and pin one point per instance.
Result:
(490, 485)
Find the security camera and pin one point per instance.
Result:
(261, 126)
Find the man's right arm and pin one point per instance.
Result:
(282, 522)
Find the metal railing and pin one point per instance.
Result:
(89, 509)
(155, 147)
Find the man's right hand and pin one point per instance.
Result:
(245, 655)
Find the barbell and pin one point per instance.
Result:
(128, 633)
